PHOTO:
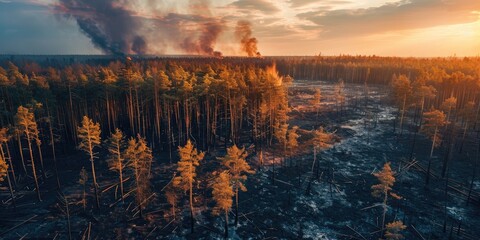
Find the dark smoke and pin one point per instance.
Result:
(139, 45)
(243, 32)
(109, 26)
(208, 29)
(205, 43)
(115, 27)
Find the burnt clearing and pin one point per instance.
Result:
(286, 197)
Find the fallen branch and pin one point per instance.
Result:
(144, 201)
(355, 231)
(114, 185)
(418, 233)
(250, 221)
(18, 225)
(148, 235)
(120, 199)
(374, 205)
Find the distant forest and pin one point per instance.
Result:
(167, 99)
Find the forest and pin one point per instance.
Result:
(321, 147)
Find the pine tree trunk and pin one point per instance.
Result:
(9, 162)
(33, 166)
(72, 117)
(445, 205)
(449, 151)
(433, 142)
(236, 206)
(427, 180)
(11, 191)
(120, 169)
(20, 148)
(84, 200)
(93, 172)
(68, 219)
(191, 199)
(463, 137)
(273, 171)
(41, 161)
(417, 129)
(52, 143)
(226, 224)
(403, 114)
(384, 211)
(472, 181)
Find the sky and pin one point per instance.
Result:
(406, 28)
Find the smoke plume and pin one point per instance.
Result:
(127, 27)
(243, 32)
(205, 43)
(109, 25)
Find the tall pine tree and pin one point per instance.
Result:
(89, 135)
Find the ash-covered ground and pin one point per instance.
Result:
(331, 202)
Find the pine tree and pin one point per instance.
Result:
(3, 169)
(394, 229)
(383, 189)
(4, 81)
(89, 135)
(116, 162)
(321, 140)
(4, 173)
(468, 114)
(140, 159)
(25, 121)
(421, 93)
(65, 209)
(222, 194)
(15, 76)
(449, 105)
(18, 137)
(316, 100)
(189, 159)
(237, 167)
(281, 135)
(402, 90)
(292, 140)
(433, 120)
(172, 198)
(4, 138)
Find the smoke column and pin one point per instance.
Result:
(208, 30)
(109, 26)
(243, 32)
(205, 43)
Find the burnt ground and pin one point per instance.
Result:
(337, 204)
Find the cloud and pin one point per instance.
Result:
(302, 3)
(393, 17)
(260, 5)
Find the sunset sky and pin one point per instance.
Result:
(423, 28)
